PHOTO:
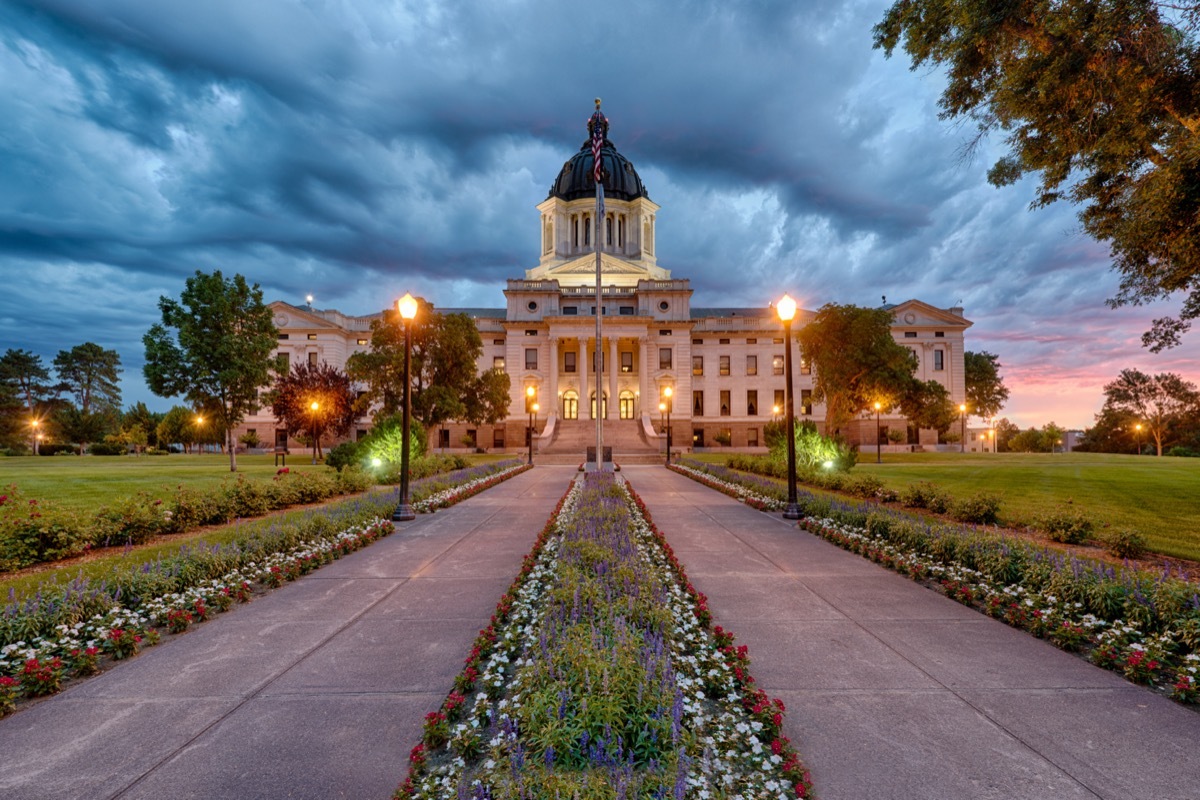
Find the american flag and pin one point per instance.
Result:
(597, 143)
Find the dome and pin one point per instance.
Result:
(621, 181)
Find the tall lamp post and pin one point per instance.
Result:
(667, 394)
(314, 407)
(962, 413)
(787, 311)
(407, 306)
(530, 407)
(199, 424)
(1138, 428)
(37, 436)
(878, 440)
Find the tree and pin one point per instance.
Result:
(986, 392)
(214, 347)
(1005, 431)
(296, 391)
(488, 403)
(855, 359)
(927, 405)
(1097, 98)
(1158, 403)
(177, 426)
(90, 373)
(84, 427)
(139, 416)
(22, 371)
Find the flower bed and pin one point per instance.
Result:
(440, 492)
(64, 631)
(598, 677)
(1145, 626)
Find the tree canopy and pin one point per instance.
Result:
(986, 392)
(90, 373)
(296, 391)
(1100, 100)
(24, 372)
(855, 360)
(1159, 403)
(213, 347)
(927, 405)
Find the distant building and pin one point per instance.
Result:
(724, 366)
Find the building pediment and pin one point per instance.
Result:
(615, 271)
(918, 314)
(290, 316)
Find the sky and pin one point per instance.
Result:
(357, 150)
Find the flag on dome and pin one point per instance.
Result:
(598, 125)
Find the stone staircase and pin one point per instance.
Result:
(573, 437)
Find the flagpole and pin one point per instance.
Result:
(598, 126)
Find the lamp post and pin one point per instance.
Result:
(1138, 428)
(314, 407)
(962, 413)
(878, 441)
(787, 310)
(530, 393)
(407, 306)
(667, 392)
(533, 409)
(992, 439)
(199, 424)
(37, 435)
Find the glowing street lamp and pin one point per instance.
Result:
(37, 435)
(962, 413)
(532, 408)
(878, 442)
(667, 392)
(1138, 428)
(407, 306)
(314, 407)
(199, 424)
(787, 311)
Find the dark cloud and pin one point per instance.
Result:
(348, 150)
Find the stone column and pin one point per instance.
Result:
(613, 400)
(585, 406)
(550, 404)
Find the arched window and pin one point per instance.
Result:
(587, 230)
(627, 406)
(603, 403)
(608, 229)
(570, 404)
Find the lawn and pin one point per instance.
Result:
(1158, 496)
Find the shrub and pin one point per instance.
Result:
(344, 455)
(108, 449)
(1182, 452)
(131, 520)
(1069, 527)
(814, 451)
(927, 495)
(865, 486)
(32, 531)
(897, 436)
(1125, 543)
(250, 439)
(981, 508)
(386, 440)
(154, 451)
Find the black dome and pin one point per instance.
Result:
(621, 180)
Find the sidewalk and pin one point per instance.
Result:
(316, 690)
(895, 692)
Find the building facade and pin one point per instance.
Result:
(724, 366)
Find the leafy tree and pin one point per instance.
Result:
(178, 426)
(1005, 431)
(139, 416)
(488, 403)
(213, 347)
(84, 427)
(986, 392)
(927, 405)
(855, 360)
(1158, 403)
(296, 391)
(24, 373)
(1034, 440)
(1100, 100)
(90, 373)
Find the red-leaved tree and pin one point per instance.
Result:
(329, 388)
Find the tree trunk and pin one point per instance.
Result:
(230, 448)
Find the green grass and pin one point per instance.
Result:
(1160, 497)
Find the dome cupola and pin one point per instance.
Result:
(621, 181)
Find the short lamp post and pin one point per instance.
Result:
(199, 426)
(530, 407)
(787, 311)
(992, 439)
(667, 392)
(314, 407)
(1138, 428)
(962, 413)
(37, 436)
(878, 439)
(407, 306)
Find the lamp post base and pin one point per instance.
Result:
(793, 512)
(403, 513)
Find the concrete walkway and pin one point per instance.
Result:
(895, 692)
(318, 689)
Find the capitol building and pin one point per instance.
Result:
(724, 366)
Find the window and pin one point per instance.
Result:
(939, 334)
(498, 362)
(697, 404)
(532, 305)
(939, 360)
(531, 333)
(910, 334)
(806, 402)
(724, 402)
(569, 361)
(752, 402)
(603, 361)
(361, 434)
(283, 336)
(570, 311)
(498, 342)
(694, 341)
(697, 365)
(663, 305)
(627, 365)
(752, 437)
(751, 365)
(362, 342)
(626, 311)
(444, 438)
(312, 358)
(805, 367)
(531, 358)
(697, 437)
(312, 337)
(664, 358)
(776, 365)
(722, 341)
(724, 365)
(752, 341)
(779, 402)
(498, 437)
(777, 340)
